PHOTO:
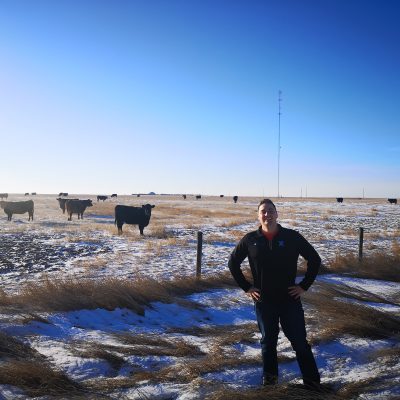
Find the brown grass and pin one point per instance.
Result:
(189, 370)
(145, 345)
(223, 335)
(375, 266)
(98, 351)
(11, 348)
(278, 392)
(38, 379)
(92, 263)
(237, 221)
(160, 231)
(73, 294)
(391, 355)
(337, 317)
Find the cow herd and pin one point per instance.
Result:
(123, 214)
(391, 201)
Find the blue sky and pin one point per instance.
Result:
(182, 96)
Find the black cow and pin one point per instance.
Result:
(100, 197)
(392, 201)
(133, 216)
(77, 207)
(62, 202)
(184, 196)
(138, 195)
(26, 194)
(339, 199)
(33, 193)
(114, 195)
(198, 196)
(17, 207)
(221, 195)
(63, 194)
(235, 199)
(4, 195)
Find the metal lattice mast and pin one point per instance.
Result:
(279, 136)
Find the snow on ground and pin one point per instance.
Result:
(55, 246)
(343, 360)
(91, 248)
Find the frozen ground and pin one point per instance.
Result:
(53, 247)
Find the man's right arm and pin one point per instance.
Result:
(235, 260)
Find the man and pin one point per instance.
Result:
(273, 252)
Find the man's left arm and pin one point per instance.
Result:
(313, 259)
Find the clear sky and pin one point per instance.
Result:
(181, 96)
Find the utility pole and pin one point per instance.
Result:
(279, 136)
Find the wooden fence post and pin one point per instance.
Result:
(360, 246)
(199, 253)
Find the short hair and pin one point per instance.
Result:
(266, 201)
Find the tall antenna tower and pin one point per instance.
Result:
(279, 135)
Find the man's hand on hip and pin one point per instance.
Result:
(254, 294)
(296, 291)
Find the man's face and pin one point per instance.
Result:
(267, 215)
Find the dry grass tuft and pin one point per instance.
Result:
(223, 335)
(92, 263)
(98, 351)
(29, 317)
(73, 294)
(278, 392)
(145, 345)
(391, 353)
(38, 379)
(160, 231)
(188, 370)
(337, 317)
(376, 266)
(11, 348)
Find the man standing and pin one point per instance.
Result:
(273, 252)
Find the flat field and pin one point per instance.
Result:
(89, 313)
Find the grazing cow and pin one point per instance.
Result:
(198, 196)
(184, 196)
(221, 195)
(26, 194)
(62, 202)
(17, 207)
(114, 195)
(100, 197)
(77, 207)
(4, 195)
(133, 216)
(392, 201)
(235, 199)
(339, 199)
